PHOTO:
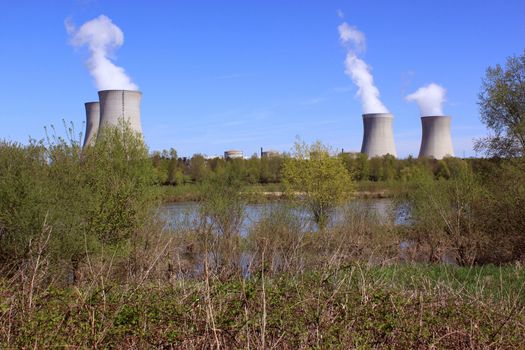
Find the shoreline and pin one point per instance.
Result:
(274, 195)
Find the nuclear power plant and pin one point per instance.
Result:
(114, 107)
(124, 106)
(118, 106)
(436, 141)
(233, 154)
(378, 136)
(92, 121)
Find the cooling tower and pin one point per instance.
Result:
(378, 137)
(117, 105)
(436, 141)
(92, 121)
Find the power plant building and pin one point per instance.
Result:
(436, 141)
(117, 106)
(378, 135)
(269, 153)
(233, 154)
(92, 122)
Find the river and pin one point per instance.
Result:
(184, 214)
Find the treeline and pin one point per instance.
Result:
(173, 170)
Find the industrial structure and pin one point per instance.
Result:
(269, 153)
(124, 106)
(232, 154)
(92, 122)
(118, 106)
(436, 141)
(378, 136)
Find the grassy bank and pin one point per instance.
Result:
(398, 307)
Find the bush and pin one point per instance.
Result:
(319, 177)
(445, 216)
(503, 212)
(89, 200)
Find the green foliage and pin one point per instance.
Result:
(445, 215)
(502, 108)
(85, 199)
(23, 197)
(503, 212)
(319, 177)
(222, 202)
(406, 307)
(198, 169)
(357, 165)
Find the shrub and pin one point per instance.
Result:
(91, 199)
(319, 177)
(445, 216)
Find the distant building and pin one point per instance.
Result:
(270, 154)
(233, 154)
(351, 155)
(207, 157)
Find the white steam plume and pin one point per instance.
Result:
(429, 99)
(102, 38)
(359, 70)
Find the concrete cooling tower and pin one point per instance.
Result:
(436, 141)
(378, 136)
(92, 122)
(117, 105)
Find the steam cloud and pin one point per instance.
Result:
(359, 70)
(102, 38)
(429, 99)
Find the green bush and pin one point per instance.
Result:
(445, 215)
(85, 200)
(319, 178)
(503, 212)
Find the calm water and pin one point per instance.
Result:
(184, 214)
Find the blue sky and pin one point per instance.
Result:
(217, 75)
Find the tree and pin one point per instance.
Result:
(198, 168)
(502, 108)
(253, 170)
(362, 168)
(320, 176)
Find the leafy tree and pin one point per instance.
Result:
(198, 168)
(362, 168)
(320, 176)
(389, 167)
(502, 107)
(174, 173)
(253, 170)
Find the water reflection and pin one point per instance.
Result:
(186, 214)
